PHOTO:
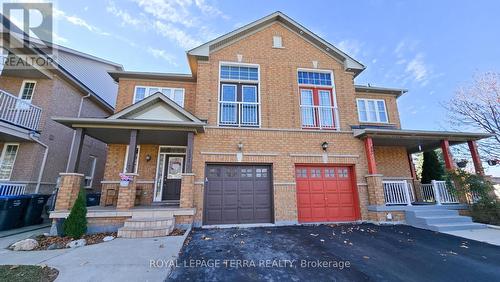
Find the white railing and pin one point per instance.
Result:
(18, 111)
(427, 193)
(442, 194)
(239, 113)
(9, 189)
(397, 193)
(322, 117)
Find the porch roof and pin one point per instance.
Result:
(416, 140)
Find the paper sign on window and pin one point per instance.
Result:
(175, 167)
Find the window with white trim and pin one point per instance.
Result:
(89, 173)
(26, 94)
(136, 159)
(239, 103)
(174, 94)
(372, 110)
(317, 100)
(7, 160)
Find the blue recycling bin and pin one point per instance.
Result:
(12, 210)
(34, 209)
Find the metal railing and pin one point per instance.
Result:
(19, 112)
(427, 193)
(239, 113)
(321, 117)
(9, 189)
(398, 193)
(437, 192)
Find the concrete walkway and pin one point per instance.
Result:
(488, 235)
(117, 260)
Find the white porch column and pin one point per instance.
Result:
(437, 196)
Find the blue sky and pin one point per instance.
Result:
(429, 47)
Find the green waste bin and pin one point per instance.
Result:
(34, 209)
(12, 211)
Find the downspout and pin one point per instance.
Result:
(74, 133)
(40, 174)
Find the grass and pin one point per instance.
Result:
(21, 273)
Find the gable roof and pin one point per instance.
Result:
(151, 101)
(380, 90)
(203, 50)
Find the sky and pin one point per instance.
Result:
(430, 48)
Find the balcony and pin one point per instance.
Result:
(319, 117)
(241, 114)
(19, 112)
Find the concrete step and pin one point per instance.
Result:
(444, 219)
(433, 212)
(149, 222)
(146, 227)
(457, 226)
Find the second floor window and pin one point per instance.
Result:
(174, 94)
(26, 94)
(317, 100)
(372, 110)
(239, 103)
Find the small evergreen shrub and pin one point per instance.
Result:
(486, 211)
(432, 169)
(75, 225)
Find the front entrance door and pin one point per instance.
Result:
(174, 166)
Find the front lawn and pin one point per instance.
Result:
(28, 273)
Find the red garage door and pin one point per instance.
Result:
(326, 193)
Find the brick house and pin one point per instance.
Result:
(33, 147)
(268, 129)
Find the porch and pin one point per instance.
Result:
(388, 189)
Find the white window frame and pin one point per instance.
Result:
(336, 114)
(126, 158)
(365, 101)
(90, 177)
(278, 42)
(2, 156)
(23, 85)
(259, 103)
(172, 89)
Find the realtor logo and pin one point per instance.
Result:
(32, 22)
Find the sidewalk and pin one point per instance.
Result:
(488, 235)
(117, 260)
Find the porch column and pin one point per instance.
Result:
(131, 150)
(189, 153)
(69, 186)
(412, 167)
(478, 166)
(76, 150)
(448, 159)
(370, 156)
(126, 194)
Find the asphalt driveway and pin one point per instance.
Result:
(334, 253)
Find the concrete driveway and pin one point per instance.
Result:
(343, 253)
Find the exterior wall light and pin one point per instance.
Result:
(240, 146)
(148, 157)
(324, 145)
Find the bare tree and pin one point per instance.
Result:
(477, 107)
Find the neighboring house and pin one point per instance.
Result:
(34, 148)
(268, 128)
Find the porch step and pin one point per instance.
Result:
(440, 220)
(146, 227)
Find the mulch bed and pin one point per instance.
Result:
(177, 232)
(45, 241)
(28, 273)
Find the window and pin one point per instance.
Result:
(174, 94)
(371, 110)
(89, 173)
(301, 173)
(315, 78)
(239, 103)
(27, 90)
(277, 42)
(317, 100)
(315, 172)
(329, 172)
(136, 159)
(7, 160)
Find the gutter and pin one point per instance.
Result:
(74, 132)
(42, 168)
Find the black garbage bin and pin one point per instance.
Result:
(34, 209)
(12, 211)
(93, 199)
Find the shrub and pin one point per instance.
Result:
(431, 168)
(75, 225)
(486, 211)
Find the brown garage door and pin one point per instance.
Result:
(236, 194)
